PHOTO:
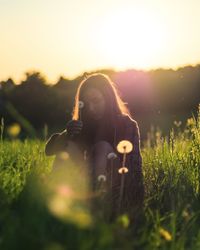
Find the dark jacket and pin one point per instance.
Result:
(125, 129)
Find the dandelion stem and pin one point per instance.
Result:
(121, 190)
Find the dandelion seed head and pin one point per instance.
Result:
(80, 104)
(124, 146)
(177, 123)
(123, 170)
(101, 177)
(111, 155)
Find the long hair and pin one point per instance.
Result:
(114, 104)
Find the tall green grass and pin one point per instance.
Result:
(170, 218)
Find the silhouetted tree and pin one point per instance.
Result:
(153, 97)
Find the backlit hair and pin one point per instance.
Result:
(115, 105)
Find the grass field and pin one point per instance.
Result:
(35, 215)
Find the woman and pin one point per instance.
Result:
(100, 120)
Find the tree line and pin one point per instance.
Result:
(155, 97)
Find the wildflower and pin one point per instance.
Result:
(165, 234)
(190, 122)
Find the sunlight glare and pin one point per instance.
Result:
(127, 39)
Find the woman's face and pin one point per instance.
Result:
(94, 103)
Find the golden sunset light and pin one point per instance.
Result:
(71, 37)
(131, 39)
(99, 124)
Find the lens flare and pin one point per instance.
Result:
(68, 192)
(14, 130)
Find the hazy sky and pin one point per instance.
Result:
(68, 37)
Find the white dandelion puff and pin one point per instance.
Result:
(123, 170)
(124, 146)
(80, 104)
(111, 155)
(101, 177)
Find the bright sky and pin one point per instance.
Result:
(69, 37)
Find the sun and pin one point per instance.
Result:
(126, 39)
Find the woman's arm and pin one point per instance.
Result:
(59, 141)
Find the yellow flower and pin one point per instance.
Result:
(190, 122)
(165, 234)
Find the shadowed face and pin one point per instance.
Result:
(94, 103)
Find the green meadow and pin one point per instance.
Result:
(39, 212)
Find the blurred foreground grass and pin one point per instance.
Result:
(36, 214)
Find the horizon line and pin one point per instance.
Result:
(114, 69)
